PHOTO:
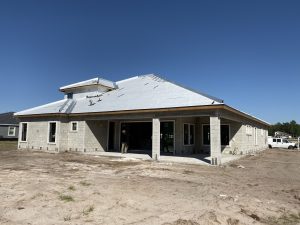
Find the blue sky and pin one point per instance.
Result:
(245, 52)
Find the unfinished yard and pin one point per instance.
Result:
(42, 188)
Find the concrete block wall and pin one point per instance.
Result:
(95, 136)
(37, 136)
(76, 138)
(180, 148)
(215, 140)
(155, 138)
(249, 145)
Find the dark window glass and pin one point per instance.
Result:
(279, 140)
(24, 132)
(70, 95)
(192, 135)
(74, 126)
(274, 140)
(206, 134)
(52, 132)
(186, 134)
(224, 134)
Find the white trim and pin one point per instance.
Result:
(206, 124)
(189, 139)
(21, 131)
(71, 126)
(48, 133)
(14, 131)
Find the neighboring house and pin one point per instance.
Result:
(9, 126)
(150, 114)
(281, 134)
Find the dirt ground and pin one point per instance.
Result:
(43, 188)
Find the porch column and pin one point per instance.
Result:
(155, 138)
(215, 140)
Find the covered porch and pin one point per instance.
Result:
(186, 138)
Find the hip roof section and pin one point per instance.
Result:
(145, 92)
(136, 93)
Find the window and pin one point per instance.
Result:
(188, 134)
(52, 132)
(70, 95)
(11, 131)
(278, 140)
(192, 134)
(206, 134)
(225, 134)
(23, 131)
(74, 126)
(274, 140)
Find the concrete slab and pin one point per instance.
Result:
(196, 159)
(120, 155)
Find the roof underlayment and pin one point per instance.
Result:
(136, 93)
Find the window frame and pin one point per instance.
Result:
(21, 132)
(48, 133)
(71, 126)
(225, 124)
(14, 131)
(189, 134)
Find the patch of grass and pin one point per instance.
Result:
(87, 211)
(85, 183)
(8, 145)
(66, 198)
(284, 219)
(187, 172)
(71, 188)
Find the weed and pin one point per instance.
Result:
(84, 183)
(284, 219)
(71, 188)
(66, 198)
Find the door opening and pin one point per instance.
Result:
(167, 138)
(111, 136)
(138, 137)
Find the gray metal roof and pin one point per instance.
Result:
(8, 119)
(136, 93)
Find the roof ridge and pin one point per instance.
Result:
(188, 88)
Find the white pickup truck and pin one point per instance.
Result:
(280, 143)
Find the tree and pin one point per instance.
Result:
(291, 128)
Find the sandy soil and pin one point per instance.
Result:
(42, 188)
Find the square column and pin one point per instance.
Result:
(215, 140)
(155, 138)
